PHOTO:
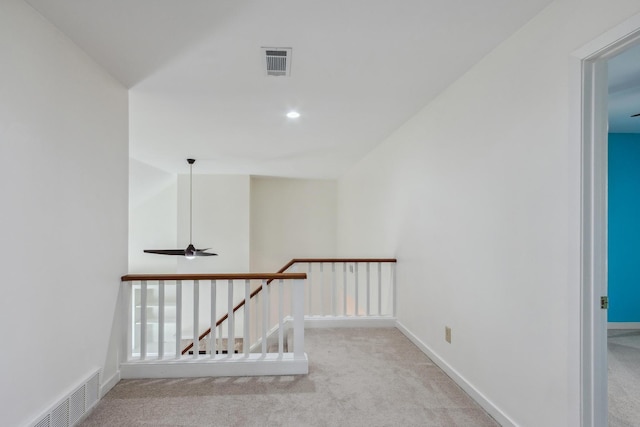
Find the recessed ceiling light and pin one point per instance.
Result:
(293, 114)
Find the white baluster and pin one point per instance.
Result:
(246, 340)
(368, 290)
(321, 289)
(129, 302)
(255, 315)
(344, 288)
(281, 317)
(212, 334)
(379, 289)
(231, 336)
(265, 319)
(393, 284)
(219, 344)
(334, 290)
(298, 319)
(294, 269)
(267, 296)
(160, 319)
(309, 284)
(357, 286)
(178, 319)
(143, 320)
(196, 319)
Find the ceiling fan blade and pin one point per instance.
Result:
(165, 251)
(636, 115)
(201, 252)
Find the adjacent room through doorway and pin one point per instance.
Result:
(623, 237)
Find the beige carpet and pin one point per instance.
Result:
(357, 377)
(624, 377)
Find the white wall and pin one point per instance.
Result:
(291, 218)
(153, 218)
(478, 197)
(254, 223)
(220, 222)
(63, 189)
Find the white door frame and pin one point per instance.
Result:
(589, 68)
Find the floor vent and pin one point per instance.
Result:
(45, 422)
(74, 406)
(60, 415)
(277, 61)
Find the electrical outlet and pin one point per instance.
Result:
(447, 334)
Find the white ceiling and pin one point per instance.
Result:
(360, 69)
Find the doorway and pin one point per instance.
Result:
(591, 64)
(623, 247)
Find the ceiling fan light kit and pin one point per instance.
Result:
(190, 252)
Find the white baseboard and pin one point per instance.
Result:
(109, 384)
(623, 325)
(221, 366)
(311, 322)
(481, 399)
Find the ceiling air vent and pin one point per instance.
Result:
(277, 61)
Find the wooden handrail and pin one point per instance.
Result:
(328, 260)
(209, 276)
(269, 277)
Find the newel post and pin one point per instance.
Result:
(128, 315)
(298, 319)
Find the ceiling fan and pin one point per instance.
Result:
(190, 252)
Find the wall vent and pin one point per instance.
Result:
(74, 406)
(277, 61)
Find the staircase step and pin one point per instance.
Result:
(217, 352)
(222, 348)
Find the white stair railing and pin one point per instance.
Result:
(348, 287)
(336, 292)
(163, 310)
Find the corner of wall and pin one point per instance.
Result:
(107, 385)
